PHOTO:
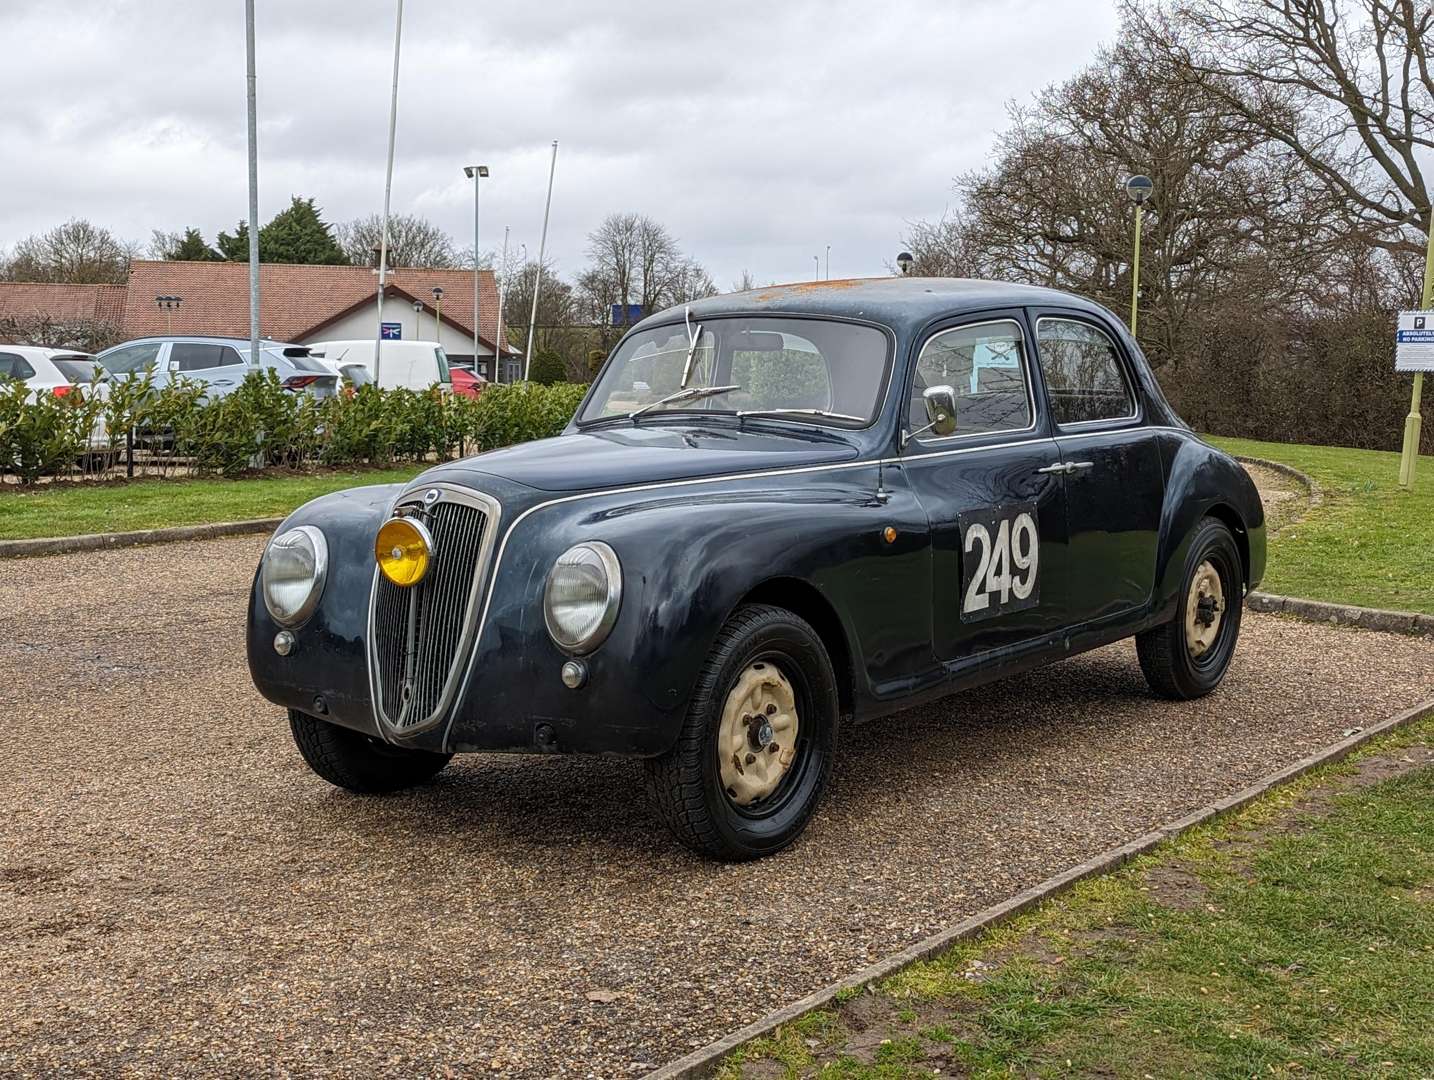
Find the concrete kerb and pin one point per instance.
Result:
(700, 1063)
(63, 545)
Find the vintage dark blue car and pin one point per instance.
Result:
(775, 513)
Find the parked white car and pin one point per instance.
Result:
(414, 365)
(55, 371)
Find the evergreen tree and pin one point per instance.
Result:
(548, 368)
(235, 248)
(299, 235)
(190, 247)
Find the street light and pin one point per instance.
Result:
(903, 262)
(475, 173)
(437, 291)
(169, 305)
(817, 272)
(1139, 189)
(829, 262)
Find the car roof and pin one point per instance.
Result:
(203, 339)
(898, 302)
(44, 352)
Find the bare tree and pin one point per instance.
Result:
(412, 241)
(1347, 88)
(77, 252)
(635, 260)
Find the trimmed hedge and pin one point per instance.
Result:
(261, 424)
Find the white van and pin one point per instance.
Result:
(414, 365)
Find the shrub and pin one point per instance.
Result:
(262, 424)
(518, 412)
(548, 369)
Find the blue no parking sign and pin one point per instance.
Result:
(391, 331)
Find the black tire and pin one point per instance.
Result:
(685, 784)
(358, 762)
(1167, 657)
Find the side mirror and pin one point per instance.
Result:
(940, 404)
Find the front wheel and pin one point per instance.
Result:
(756, 747)
(1188, 656)
(358, 762)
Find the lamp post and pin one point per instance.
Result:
(438, 314)
(903, 263)
(418, 320)
(169, 305)
(829, 262)
(475, 173)
(817, 272)
(1409, 456)
(1139, 189)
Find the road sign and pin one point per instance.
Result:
(1414, 341)
(391, 331)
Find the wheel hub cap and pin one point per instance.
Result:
(757, 738)
(1204, 609)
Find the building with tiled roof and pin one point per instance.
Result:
(83, 316)
(297, 303)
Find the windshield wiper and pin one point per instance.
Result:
(692, 393)
(800, 412)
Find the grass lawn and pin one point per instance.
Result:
(1368, 544)
(1294, 938)
(71, 509)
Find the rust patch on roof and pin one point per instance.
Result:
(803, 288)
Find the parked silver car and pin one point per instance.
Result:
(221, 364)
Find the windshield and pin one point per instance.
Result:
(811, 366)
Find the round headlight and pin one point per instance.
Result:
(292, 578)
(403, 549)
(581, 599)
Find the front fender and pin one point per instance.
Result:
(689, 557)
(327, 673)
(1202, 481)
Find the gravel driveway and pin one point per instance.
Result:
(180, 896)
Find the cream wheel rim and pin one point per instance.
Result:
(757, 739)
(1204, 609)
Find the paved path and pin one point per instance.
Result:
(180, 896)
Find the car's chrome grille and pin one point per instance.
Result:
(418, 634)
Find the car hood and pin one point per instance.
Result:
(620, 457)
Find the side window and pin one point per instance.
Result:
(14, 366)
(1085, 379)
(985, 366)
(193, 356)
(131, 359)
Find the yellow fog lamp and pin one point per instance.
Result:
(403, 549)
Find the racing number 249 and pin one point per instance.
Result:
(1006, 564)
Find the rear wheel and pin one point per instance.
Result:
(755, 750)
(360, 763)
(1188, 656)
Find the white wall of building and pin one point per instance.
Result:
(417, 326)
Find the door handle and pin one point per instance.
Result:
(1065, 468)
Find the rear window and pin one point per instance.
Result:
(302, 362)
(75, 369)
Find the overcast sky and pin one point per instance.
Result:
(758, 132)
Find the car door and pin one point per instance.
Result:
(1114, 482)
(219, 367)
(992, 490)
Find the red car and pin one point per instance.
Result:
(467, 383)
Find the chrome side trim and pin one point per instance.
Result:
(458, 668)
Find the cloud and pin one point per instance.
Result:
(759, 132)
